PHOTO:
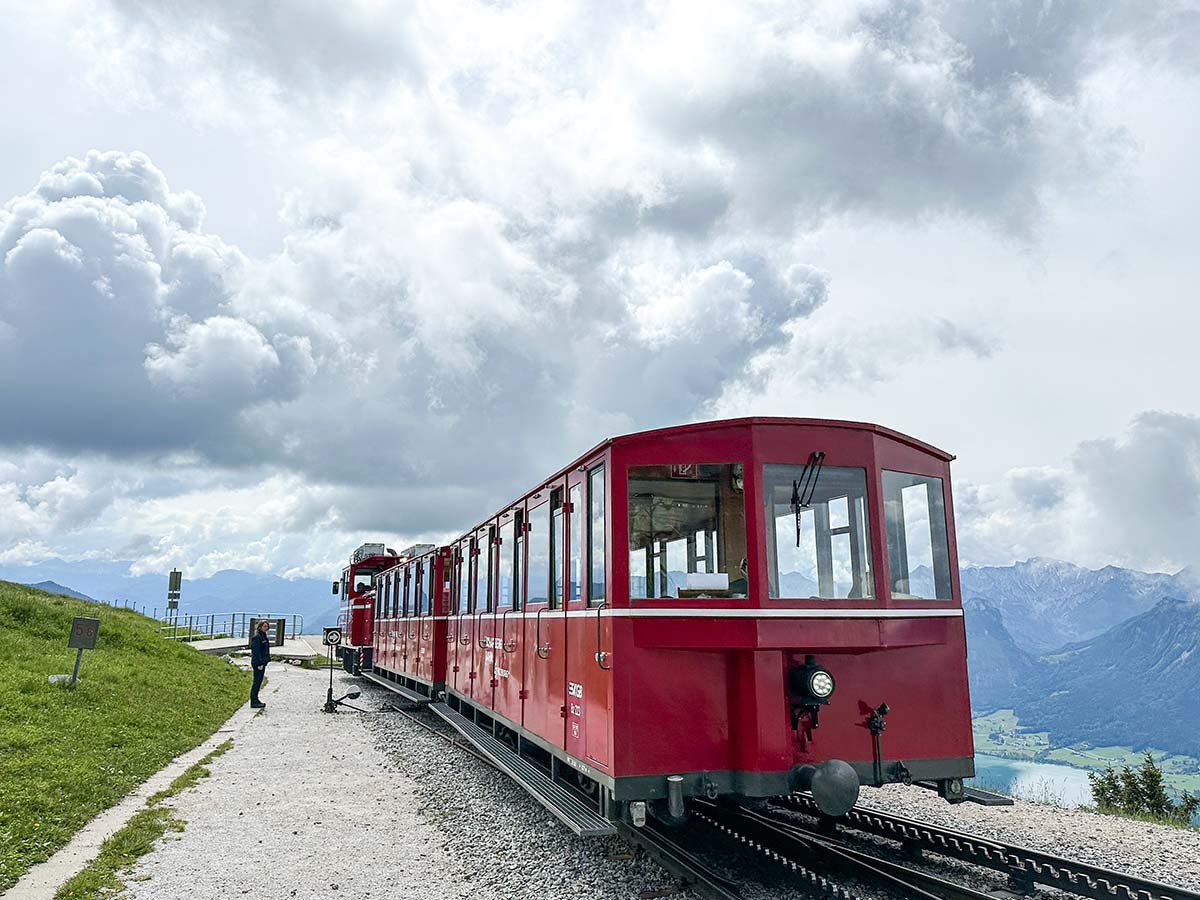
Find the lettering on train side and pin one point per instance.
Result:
(575, 689)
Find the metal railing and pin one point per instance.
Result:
(210, 626)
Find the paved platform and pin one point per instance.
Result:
(299, 648)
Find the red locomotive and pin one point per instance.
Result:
(357, 593)
(734, 608)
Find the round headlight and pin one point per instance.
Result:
(820, 684)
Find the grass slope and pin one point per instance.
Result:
(68, 753)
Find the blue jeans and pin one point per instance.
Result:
(259, 674)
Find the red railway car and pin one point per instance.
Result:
(357, 592)
(734, 608)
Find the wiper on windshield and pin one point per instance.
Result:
(804, 487)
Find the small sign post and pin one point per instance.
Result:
(174, 588)
(331, 637)
(84, 630)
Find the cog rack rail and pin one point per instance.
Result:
(1024, 866)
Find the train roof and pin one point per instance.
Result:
(747, 421)
(719, 424)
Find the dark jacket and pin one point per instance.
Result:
(260, 650)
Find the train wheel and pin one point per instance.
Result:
(586, 785)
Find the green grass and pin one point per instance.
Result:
(103, 875)
(67, 753)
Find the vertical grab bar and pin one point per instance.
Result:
(461, 639)
(542, 650)
(479, 640)
(504, 645)
(601, 656)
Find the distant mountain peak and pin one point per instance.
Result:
(53, 587)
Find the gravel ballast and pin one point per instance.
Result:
(1156, 852)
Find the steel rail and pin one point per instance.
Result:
(688, 868)
(1024, 866)
(806, 853)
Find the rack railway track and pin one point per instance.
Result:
(1024, 866)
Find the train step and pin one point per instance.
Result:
(572, 812)
(411, 696)
(973, 795)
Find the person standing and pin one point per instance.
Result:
(260, 655)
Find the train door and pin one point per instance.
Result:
(506, 662)
(482, 654)
(420, 601)
(589, 676)
(459, 632)
(393, 655)
(405, 622)
(383, 602)
(545, 651)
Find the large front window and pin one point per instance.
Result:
(687, 531)
(918, 552)
(818, 534)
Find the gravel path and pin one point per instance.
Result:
(304, 805)
(1171, 855)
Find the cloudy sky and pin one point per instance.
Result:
(275, 278)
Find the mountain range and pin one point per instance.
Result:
(231, 590)
(1104, 657)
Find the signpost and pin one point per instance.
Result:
(174, 587)
(84, 630)
(331, 637)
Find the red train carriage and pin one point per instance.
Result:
(730, 608)
(354, 618)
(410, 616)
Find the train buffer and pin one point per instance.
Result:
(571, 811)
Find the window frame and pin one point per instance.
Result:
(867, 554)
(593, 598)
(946, 506)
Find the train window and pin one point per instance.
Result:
(420, 598)
(687, 531)
(538, 565)
(482, 565)
(362, 581)
(596, 535)
(506, 550)
(914, 508)
(556, 549)
(428, 573)
(575, 538)
(404, 607)
(519, 560)
(464, 578)
(818, 546)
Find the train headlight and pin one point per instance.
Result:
(820, 683)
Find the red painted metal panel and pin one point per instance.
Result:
(546, 674)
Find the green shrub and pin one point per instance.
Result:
(1141, 794)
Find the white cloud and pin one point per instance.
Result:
(505, 222)
(1130, 500)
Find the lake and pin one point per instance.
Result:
(1041, 782)
(1044, 782)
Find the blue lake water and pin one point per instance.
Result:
(1045, 782)
(1041, 782)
